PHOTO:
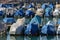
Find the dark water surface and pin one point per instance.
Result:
(8, 37)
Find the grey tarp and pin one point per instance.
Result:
(17, 28)
(3, 27)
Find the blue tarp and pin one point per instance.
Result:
(19, 30)
(47, 19)
(44, 6)
(29, 13)
(0, 5)
(19, 12)
(28, 29)
(48, 29)
(48, 11)
(2, 27)
(36, 19)
(32, 25)
(27, 20)
(32, 29)
(51, 5)
(16, 13)
(31, 6)
(58, 21)
(8, 20)
(7, 5)
(1, 13)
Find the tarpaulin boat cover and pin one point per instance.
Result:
(8, 20)
(58, 21)
(0, 5)
(51, 5)
(18, 27)
(31, 5)
(47, 19)
(44, 5)
(16, 13)
(19, 12)
(27, 20)
(48, 11)
(7, 5)
(36, 19)
(1, 13)
(25, 6)
(2, 27)
(48, 28)
(58, 29)
(32, 29)
(29, 13)
(56, 12)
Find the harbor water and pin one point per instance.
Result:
(8, 37)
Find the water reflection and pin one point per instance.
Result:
(58, 37)
(31, 38)
(12, 38)
(40, 38)
(15, 38)
(43, 37)
(51, 37)
(2, 37)
(19, 38)
(48, 38)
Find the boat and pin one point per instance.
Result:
(30, 13)
(58, 30)
(8, 20)
(48, 29)
(32, 29)
(18, 27)
(3, 28)
(19, 12)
